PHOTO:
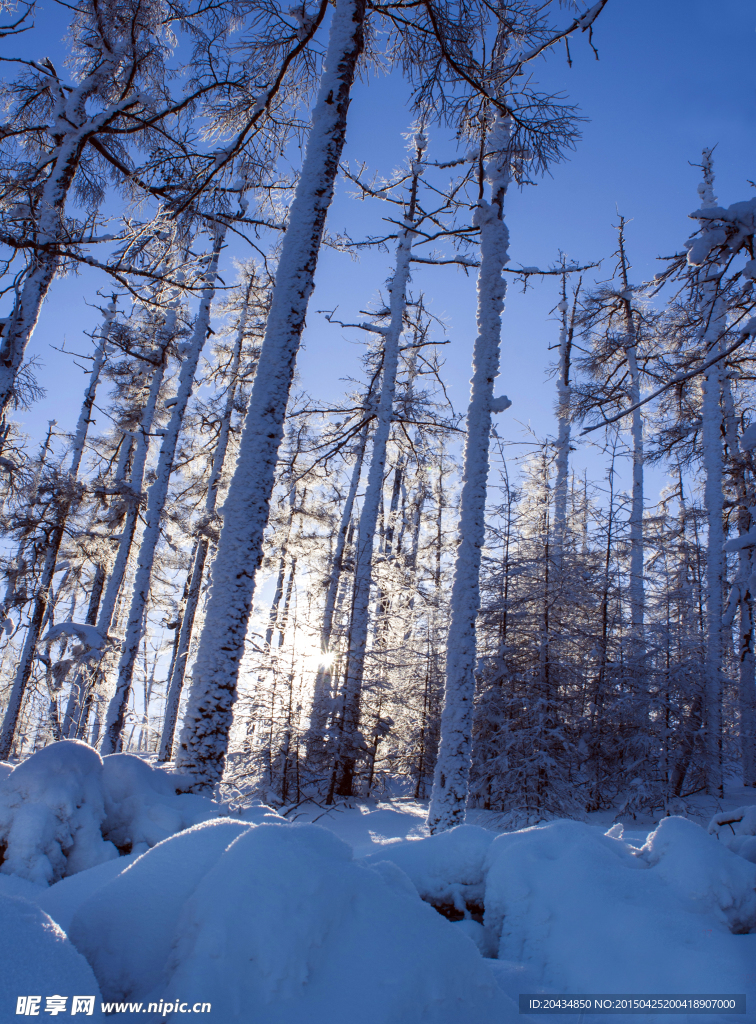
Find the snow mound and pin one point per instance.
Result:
(126, 929)
(277, 922)
(446, 869)
(65, 810)
(737, 829)
(5, 770)
(584, 912)
(143, 806)
(704, 872)
(51, 809)
(37, 958)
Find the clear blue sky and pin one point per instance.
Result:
(673, 76)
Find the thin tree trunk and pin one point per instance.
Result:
(315, 738)
(452, 773)
(714, 314)
(62, 509)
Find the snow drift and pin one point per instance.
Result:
(277, 922)
(567, 909)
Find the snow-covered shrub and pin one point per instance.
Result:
(584, 912)
(37, 957)
(704, 872)
(278, 923)
(51, 810)
(737, 831)
(447, 869)
(65, 809)
(143, 806)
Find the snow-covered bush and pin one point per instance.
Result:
(143, 806)
(447, 869)
(66, 809)
(37, 957)
(703, 873)
(277, 922)
(51, 810)
(737, 830)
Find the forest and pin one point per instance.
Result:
(300, 599)
(377, 530)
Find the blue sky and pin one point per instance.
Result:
(673, 76)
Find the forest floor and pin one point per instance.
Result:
(113, 883)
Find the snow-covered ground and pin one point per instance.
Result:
(115, 884)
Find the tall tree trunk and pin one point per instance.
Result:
(714, 315)
(637, 581)
(452, 773)
(208, 717)
(741, 596)
(564, 392)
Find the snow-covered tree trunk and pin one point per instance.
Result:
(141, 445)
(156, 499)
(714, 317)
(452, 772)
(207, 721)
(742, 593)
(85, 416)
(563, 432)
(322, 690)
(349, 723)
(637, 580)
(133, 494)
(178, 671)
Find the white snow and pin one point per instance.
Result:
(38, 959)
(142, 804)
(51, 809)
(127, 928)
(282, 926)
(447, 868)
(286, 922)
